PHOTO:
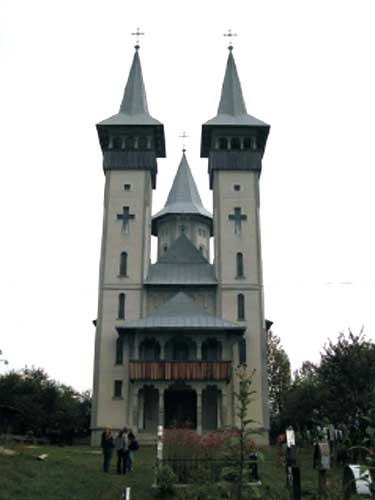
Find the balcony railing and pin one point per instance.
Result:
(180, 370)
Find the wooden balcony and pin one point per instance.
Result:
(180, 370)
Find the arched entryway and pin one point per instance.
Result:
(150, 403)
(210, 408)
(180, 407)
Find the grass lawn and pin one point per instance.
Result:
(75, 473)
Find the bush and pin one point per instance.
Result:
(165, 481)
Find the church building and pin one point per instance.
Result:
(170, 334)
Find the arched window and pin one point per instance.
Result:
(121, 306)
(119, 351)
(149, 350)
(180, 351)
(242, 351)
(239, 265)
(123, 264)
(211, 350)
(240, 307)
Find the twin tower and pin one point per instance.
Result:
(170, 335)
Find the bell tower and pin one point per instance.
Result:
(234, 143)
(131, 142)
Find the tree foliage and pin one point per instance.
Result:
(338, 389)
(32, 402)
(347, 375)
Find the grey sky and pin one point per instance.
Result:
(306, 69)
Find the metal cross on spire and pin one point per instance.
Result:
(183, 136)
(137, 34)
(230, 35)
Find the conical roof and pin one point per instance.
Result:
(180, 312)
(133, 109)
(232, 107)
(184, 196)
(182, 264)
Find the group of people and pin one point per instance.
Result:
(125, 444)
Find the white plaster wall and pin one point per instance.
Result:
(107, 410)
(227, 244)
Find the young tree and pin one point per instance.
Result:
(279, 375)
(279, 380)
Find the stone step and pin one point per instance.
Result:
(146, 439)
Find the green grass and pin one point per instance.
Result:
(71, 473)
(75, 473)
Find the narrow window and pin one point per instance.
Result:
(235, 143)
(240, 307)
(239, 265)
(117, 143)
(121, 306)
(201, 249)
(123, 264)
(165, 248)
(142, 144)
(223, 143)
(119, 351)
(117, 389)
(242, 351)
(247, 143)
(237, 187)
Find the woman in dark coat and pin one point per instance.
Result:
(107, 445)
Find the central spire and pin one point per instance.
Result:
(183, 198)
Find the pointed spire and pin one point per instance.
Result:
(232, 101)
(134, 108)
(134, 101)
(184, 196)
(232, 107)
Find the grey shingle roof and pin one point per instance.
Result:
(133, 109)
(182, 313)
(182, 264)
(232, 107)
(184, 196)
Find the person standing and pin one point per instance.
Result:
(121, 446)
(132, 447)
(107, 445)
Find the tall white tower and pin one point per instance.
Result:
(131, 141)
(234, 143)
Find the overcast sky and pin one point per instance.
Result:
(307, 69)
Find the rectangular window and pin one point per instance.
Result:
(117, 391)
(127, 187)
(242, 351)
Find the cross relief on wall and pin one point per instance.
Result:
(125, 217)
(237, 218)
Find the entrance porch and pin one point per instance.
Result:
(198, 407)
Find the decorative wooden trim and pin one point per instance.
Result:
(180, 370)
